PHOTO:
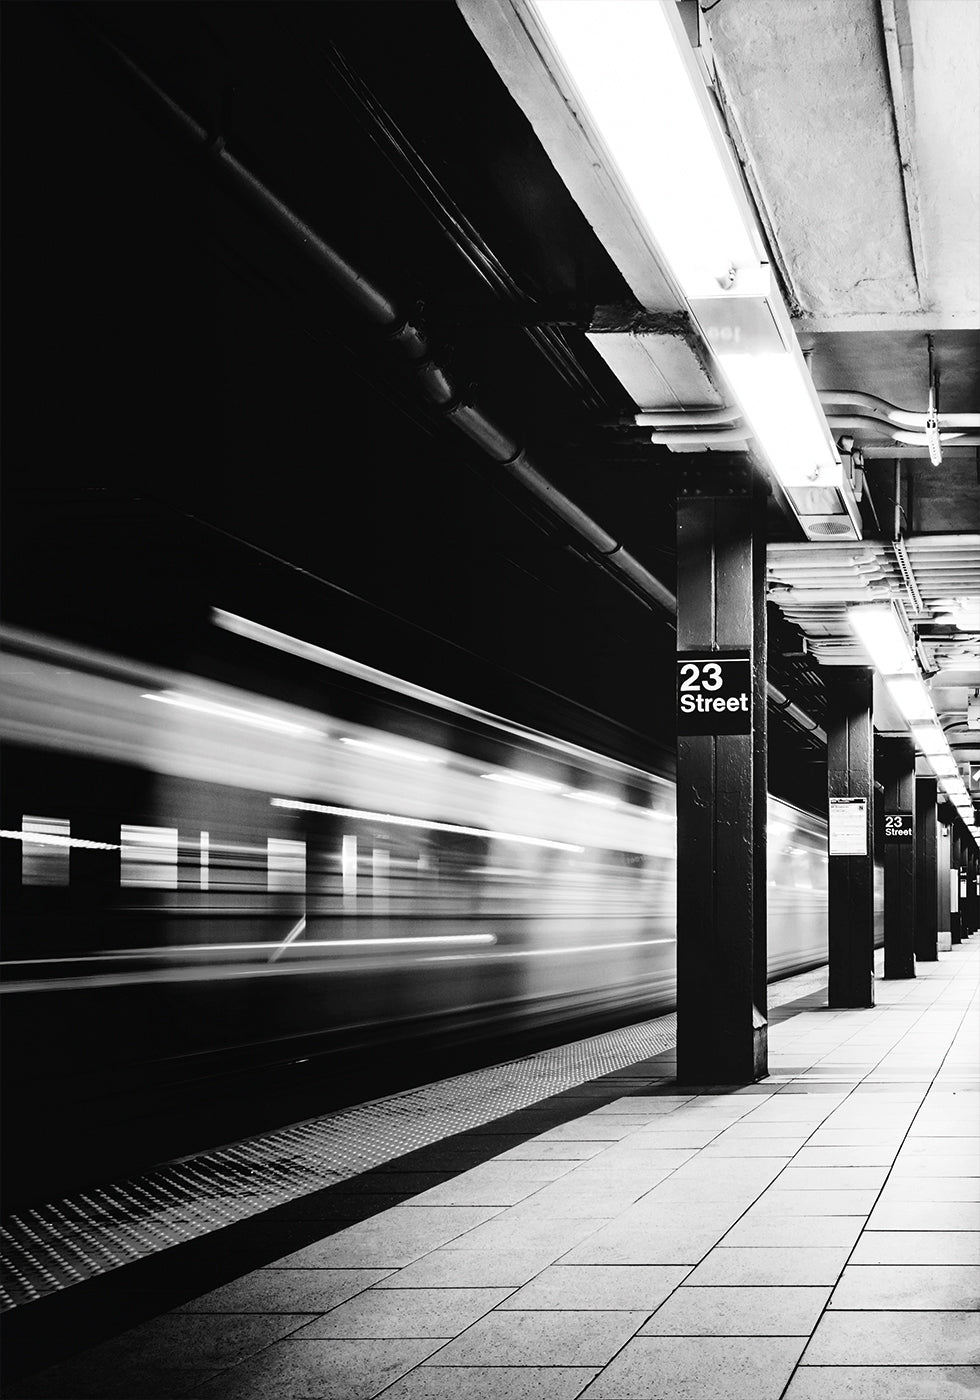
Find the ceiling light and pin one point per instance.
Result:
(628, 66)
(930, 740)
(884, 639)
(633, 65)
(912, 698)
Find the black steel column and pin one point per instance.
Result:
(897, 772)
(721, 778)
(926, 872)
(973, 902)
(944, 814)
(955, 917)
(850, 779)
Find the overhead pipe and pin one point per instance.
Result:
(903, 435)
(901, 418)
(696, 418)
(435, 382)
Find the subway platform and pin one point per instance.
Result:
(811, 1237)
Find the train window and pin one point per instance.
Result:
(286, 865)
(45, 861)
(148, 856)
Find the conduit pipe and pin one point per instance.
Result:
(900, 417)
(437, 385)
(435, 382)
(903, 435)
(696, 418)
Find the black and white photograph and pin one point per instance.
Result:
(490, 699)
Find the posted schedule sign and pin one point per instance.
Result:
(714, 693)
(848, 826)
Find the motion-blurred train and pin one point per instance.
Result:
(212, 897)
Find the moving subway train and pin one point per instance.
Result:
(223, 910)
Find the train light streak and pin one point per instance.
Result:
(388, 751)
(43, 838)
(522, 780)
(389, 819)
(217, 710)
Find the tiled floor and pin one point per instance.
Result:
(815, 1236)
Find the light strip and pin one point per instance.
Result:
(320, 656)
(634, 68)
(218, 711)
(387, 752)
(884, 639)
(43, 838)
(522, 780)
(389, 819)
(911, 697)
(631, 69)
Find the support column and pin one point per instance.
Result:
(898, 778)
(974, 893)
(850, 782)
(926, 855)
(944, 939)
(955, 917)
(721, 776)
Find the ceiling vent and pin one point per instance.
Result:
(829, 526)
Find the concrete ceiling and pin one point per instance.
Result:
(857, 124)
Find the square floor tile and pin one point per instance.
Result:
(551, 1151)
(793, 1231)
(780, 1200)
(827, 1178)
(918, 1247)
(542, 1339)
(926, 1215)
(637, 1246)
(762, 1267)
(919, 1287)
(286, 1291)
(895, 1339)
(492, 1383)
(738, 1312)
(884, 1383)
(406, 1312)
(470, 1268)
(931, 1188)
(598, 1288)
(348, 1370)
(698, 1368)
(196, 1341)
(508, 1234)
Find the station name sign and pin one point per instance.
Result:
(898, 826)
(714, 693)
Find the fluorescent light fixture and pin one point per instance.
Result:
(911, 697)
(389, 819)
(630, 66)
(636, 71)
(388, 752)
(942, 765)
(884, 639)
(522, 780)
(930, 740)
(216, 710)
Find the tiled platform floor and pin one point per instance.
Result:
(812, 1237)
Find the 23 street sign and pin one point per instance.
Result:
(714, 693)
